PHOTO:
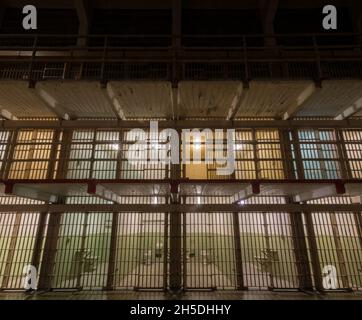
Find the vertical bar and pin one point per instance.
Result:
(52, 168)
(176, 231)
(35, 260)
(237, 250)
(50, 250)
(82, 250)
(318, 59)
(112, 253)
(31, 64)
(297, 154)
(301, 251)
(10, 154)
(317, 272)
(165, 251)
(343, 156)
(175, 252)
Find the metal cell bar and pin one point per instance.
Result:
(317, 271)
(238, 255)
(112, 253)
(47, 265)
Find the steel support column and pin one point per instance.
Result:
(112, 253)
(50, 251)
(175, 232)
(237, 252)
(37, 248)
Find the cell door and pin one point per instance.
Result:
(208, 251)
(142, 251)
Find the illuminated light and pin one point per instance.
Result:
(155, 200)
(115, 147)
(155, 145)
(197, 143)
(238, 147)
(241, 202)
(198, 200)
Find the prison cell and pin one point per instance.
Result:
(258, 155)
(223, 251)
(131, 251)
(31, 154)
(352, 142)
(17, 239)
(102, 154)
(339, 244)
(319, 154)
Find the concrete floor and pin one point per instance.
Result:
(220, 295)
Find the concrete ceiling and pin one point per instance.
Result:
(80, 99)
(142, 99)
(211, 99)
(332, 99)
(271, 98)
(192, 99)
(18, 99)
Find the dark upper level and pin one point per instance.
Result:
(188, 17)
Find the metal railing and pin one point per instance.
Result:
(163, 57)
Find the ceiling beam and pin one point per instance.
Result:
(112, 97)
(183, 124)
(268, 9)
(351, 110)
(52, 104)
(83, 12)
(237, 101)
(176, 21)
(103, 193)
(7, 115)
(175, 103)
(298, 103)
(30, 193)
(317, 193)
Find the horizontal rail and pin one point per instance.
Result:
(182, 124)
(181, 208)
